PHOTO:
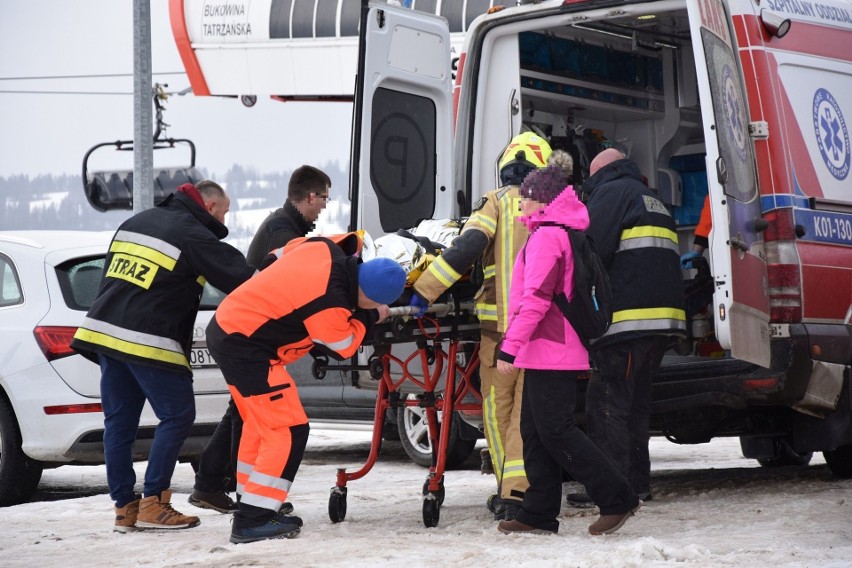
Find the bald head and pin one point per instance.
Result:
(604, 159)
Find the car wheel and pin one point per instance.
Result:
(414, 435)
(19, 475)
(839, 461)
(786, 456)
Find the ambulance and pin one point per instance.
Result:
(747, 101)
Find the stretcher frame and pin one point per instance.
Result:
(444, 385)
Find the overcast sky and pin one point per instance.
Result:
(49, 134)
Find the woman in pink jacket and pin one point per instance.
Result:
(540, 340)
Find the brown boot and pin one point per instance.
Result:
(515, 526)
(125, 517)
(156, 512)
(607, 524)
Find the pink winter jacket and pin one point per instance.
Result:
(538, 335)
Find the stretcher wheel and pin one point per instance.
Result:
(318, 367)
(431, 511)
(337, 504)
(439, 495)
(377, 368)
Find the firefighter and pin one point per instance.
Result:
(140, 328)
(492, 234)
(636, 238)
(314, 296)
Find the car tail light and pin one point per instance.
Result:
(74, 408)
(55, 341)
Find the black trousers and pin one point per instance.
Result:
(553, 442)
(218, 462)
(618, 404)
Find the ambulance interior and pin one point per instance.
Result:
(626, 82)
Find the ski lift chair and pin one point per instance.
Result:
(108, 190)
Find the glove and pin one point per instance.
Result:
(418, 302)
(687, 258)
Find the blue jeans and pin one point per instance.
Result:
(124, 389)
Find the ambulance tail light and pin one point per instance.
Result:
(783, 267)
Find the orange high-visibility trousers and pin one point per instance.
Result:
(275, 433)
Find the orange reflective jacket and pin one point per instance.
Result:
(307, 299)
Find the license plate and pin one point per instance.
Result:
(199, 357)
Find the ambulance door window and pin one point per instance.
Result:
(736, 168)
(402, 161)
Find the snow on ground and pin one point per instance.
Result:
(711, 507)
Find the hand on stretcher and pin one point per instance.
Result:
(436, 309)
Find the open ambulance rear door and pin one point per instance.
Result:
(402, 121)
(741, 303)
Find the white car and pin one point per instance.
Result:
(50, 411)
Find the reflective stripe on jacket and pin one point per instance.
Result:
(154, 273)
(492, 234)
(305, 300)
(636, 237)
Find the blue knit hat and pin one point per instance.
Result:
(381, 279)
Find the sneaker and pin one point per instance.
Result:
(515, 526)
(645, 497)
(285, 518)
(219, 501)
(286, 509)
(125, 517)
(607, 524)
(485, 467)
(507, 509)
(580, 500)
(156, 512)
(274, 528)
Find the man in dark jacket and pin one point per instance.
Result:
(140, 330)
(307, 196)
(636, 237)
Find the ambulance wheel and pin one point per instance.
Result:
(337, 504)
(439, 495)
(431, 511)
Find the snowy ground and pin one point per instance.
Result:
(711, 507)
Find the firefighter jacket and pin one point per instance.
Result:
(306, 300)
(154, 273)
(636, 238)
(280, 227)
(492, 234)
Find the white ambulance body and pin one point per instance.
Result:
(747, 101)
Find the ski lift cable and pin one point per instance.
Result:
(182, 92)
(91, 76)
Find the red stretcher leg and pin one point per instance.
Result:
(337, 499)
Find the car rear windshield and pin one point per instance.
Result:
(80, 279)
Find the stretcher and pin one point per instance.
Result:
(435, 357)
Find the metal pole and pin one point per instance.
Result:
(143, 123)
